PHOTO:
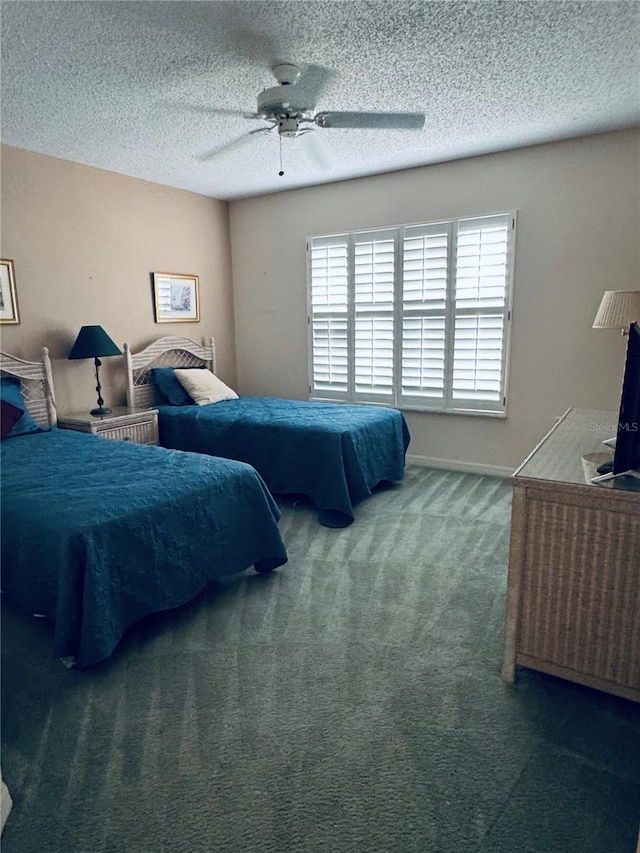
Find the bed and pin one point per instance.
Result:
(332, 453)
(97, 533)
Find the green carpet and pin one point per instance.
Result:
(350, 702)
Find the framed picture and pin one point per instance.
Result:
(8, 297)
(176, 297)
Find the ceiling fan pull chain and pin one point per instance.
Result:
(281, 172)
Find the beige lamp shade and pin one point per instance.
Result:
(618, 309)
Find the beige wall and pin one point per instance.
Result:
(578, 235)
(84, 242)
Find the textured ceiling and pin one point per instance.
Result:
(129, 86)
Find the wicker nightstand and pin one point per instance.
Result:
(138, 425)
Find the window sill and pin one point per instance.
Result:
(481, 413)
(476, 413)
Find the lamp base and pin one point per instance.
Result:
(103, 410)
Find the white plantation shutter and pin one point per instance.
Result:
(415, 317)
(373, 299)
(329, 312)
(477, 357)
(330, 363)
(483, 249)
(425, 262)
(423, 349)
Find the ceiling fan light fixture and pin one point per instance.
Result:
(288, 126)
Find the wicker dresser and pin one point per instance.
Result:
(124, 423)
(573, 596)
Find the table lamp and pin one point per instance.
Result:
(618, 310)
(94, 342)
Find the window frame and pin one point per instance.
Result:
(404, 402)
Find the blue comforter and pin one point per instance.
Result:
(330, 452)
(98, 533)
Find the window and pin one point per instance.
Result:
(415, 317)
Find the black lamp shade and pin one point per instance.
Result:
(93, 342)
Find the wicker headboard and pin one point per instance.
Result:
(36, 384)
(165, 352)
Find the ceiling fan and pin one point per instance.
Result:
(289, 109)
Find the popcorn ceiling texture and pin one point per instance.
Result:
(129, 86)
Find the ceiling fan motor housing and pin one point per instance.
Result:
(286, 73)
(281, 102)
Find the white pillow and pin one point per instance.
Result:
(204, 387)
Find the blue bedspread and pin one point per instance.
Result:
(98, 533)
(330, 452)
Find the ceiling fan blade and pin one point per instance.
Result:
(371, 121)
(211, 111)
(234, 144)
(263, 129)
(315, 150)
(313, 81)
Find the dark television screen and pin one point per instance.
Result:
(627, 453)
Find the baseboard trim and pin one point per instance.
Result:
(456, 465)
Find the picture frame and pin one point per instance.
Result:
(9, 311)
(176, 297)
